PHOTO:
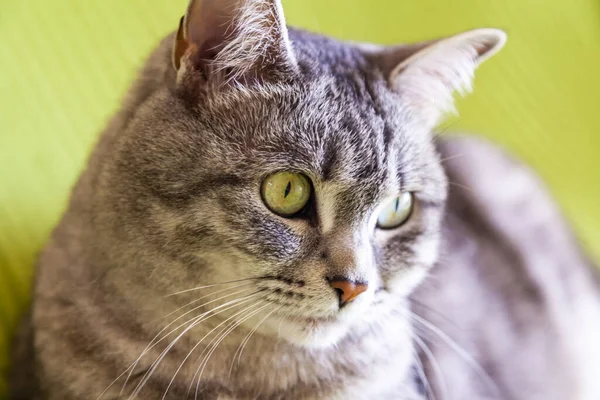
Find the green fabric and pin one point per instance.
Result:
(64, 65)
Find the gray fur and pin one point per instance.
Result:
(170, 201)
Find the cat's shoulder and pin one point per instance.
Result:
(517, 261)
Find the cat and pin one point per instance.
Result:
(270, 216)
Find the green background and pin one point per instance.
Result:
(65, 64)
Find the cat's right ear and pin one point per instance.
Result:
(426, 75)
(233, 41)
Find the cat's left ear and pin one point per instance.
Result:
(426, 75)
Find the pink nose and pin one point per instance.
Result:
(348, 290)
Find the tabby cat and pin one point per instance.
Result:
(269, 216)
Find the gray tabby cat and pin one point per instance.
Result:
(268, 217)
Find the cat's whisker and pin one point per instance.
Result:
(199, 319)
(420, 304)
(434, 364)
(458, 185)
(221, 338)
(205, 296)
(242, 345)
(279, 327)
(452, 157)
(152, 343)
(200, 341)
(441, 130)
(423, 377)
(450, 182)
(132, 367)
(415, 157)
(195, 322)
(209, 346)
(213, 285)
(249, 336)
(469, 360)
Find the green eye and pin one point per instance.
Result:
(286, 193)
(396, 212)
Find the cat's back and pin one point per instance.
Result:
(521, 314)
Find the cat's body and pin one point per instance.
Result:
(151, 216)
(523, 303)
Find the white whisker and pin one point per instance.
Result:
(221, 338)
(461, 186)
(423, 377)
(434, 364)
(240, 348)
(452, 157)
(211, 285)
(467, 358)
(199, 319)
(208, 295)
(198, 344)
(279, 327)
(153, 344)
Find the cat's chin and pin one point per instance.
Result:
(312, 333)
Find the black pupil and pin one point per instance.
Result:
(288, 189)
(397, 204)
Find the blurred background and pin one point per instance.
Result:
(65, 65)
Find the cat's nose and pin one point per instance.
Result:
(347, 289)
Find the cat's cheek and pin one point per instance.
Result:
(428, 250)
(403, 274)
(405, 281)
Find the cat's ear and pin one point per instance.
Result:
(233, 40)
(427, 75)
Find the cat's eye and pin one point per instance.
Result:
(396, 212)
(286, 193)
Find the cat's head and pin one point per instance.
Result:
(300, 166)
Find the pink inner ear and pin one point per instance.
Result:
(210, 49)
(203, 31)
(483, 47)
(234, 39)
(488, 43)
(209, 22)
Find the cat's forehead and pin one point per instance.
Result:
(340, 129)
(339, 125)
(327, 118)
(336, 119)
(338, 122)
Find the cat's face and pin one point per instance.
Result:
(212, 170)
(206, 168)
